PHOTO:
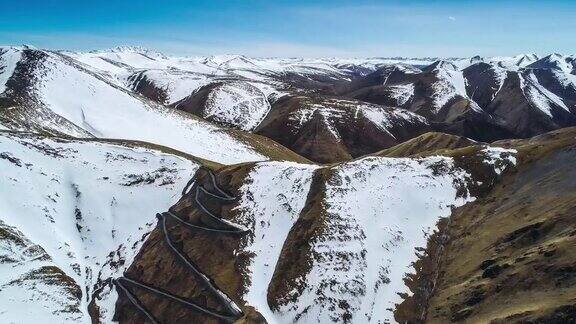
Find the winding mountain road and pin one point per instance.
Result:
(233, 312)
(180, 300)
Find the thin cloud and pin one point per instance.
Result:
(452, 18)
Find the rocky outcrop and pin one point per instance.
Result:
(140, 83)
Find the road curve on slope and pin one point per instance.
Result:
(233, 311)
(178, 299)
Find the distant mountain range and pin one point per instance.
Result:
(481, 98)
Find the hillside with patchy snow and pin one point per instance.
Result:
(326, 244)
(327, 129)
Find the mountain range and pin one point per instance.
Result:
(139, 187)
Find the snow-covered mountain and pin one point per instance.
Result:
(482, 99)
(51, 93)
(288, 190)
(89, 93)
(73, 214)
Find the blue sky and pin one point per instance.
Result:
(296, 28)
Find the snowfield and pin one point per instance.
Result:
(270, 203)
(451, 83)
(9, 57)
(379, 210)
(75, 213)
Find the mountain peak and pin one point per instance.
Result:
(131, 49)
(441, 65)
(554, 61)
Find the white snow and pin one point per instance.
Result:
(9, 57)
(380, 210)
(329, 115)
(539, 96)
(87, 205)
(500, 75)
(450, 83)
(237, 103)
(402, 93)
(500, 158)
(270, 203)
(111, 112)
(554, 62)
(514, 63)
(340, 111)
(567, 80)
(388, 118)
(178, 84)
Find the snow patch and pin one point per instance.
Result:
(539, 96)
(270, 203)
(500, 158)
(9, 57)
(402, 93)
(237, 103)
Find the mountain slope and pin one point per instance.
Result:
(426, 144)
(325, 243)
(73, 214)
(327, 129)
(237, 104)
(52, 93)
(519, 263)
